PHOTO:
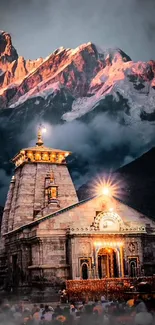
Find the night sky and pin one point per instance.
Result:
(40, 26)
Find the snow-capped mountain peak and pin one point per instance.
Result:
(71, 86)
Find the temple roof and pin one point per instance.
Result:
(51, 215)
(61, 211)
(40, 154)
(43, 148)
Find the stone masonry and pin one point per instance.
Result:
(48, 236)
(27, 194)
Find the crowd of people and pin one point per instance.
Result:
(93, 313)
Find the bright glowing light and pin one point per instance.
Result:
(44, 130)
(109, 186)
(111, 209)
(106, 191)
(108, 245)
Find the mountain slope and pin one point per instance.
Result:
(88, 73)
(95, 102)
(137, 184)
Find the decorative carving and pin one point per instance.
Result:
(107, 221)
(133, 229)
(40, 153)
(85, 260)
(52, 157)
(52, 193)
(131, 247)
(51, 189)
(84, 248)
(45, 156)
(37, 156)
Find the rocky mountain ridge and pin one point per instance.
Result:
(98, 103)
(87, 73)
(13, 68)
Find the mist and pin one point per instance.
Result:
(40, 26)
(102, 133)
(100, 146)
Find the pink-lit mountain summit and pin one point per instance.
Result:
(98, 102)
(87, 75)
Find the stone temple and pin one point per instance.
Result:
(48, 234)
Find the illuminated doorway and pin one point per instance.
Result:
(108, 263)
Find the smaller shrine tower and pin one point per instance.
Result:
(41, 185)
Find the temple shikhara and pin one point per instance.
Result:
(48, 234)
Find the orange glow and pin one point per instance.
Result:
(108, 245)
(108, 186)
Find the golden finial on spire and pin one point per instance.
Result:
(40, 142)
(41, 154)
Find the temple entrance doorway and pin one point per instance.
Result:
(133, 267)
(15, 275)
(84, 271)
(107, 263)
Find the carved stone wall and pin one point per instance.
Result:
(18, 260)
(133, 247)
(81, 249)
(6, 212)
(50, 255)
(57, 246)
(61, 257)
(133, 254)
(149, 255)
(28, 194)
(54, 251)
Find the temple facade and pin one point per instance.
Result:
(48, 235)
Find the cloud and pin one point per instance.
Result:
(102, 145)
(40, 26)
(102, 133)
(99, 146)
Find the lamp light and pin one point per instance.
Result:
(106, 191)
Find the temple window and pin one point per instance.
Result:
(84, 271)
(52, 193)
(51, 190)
